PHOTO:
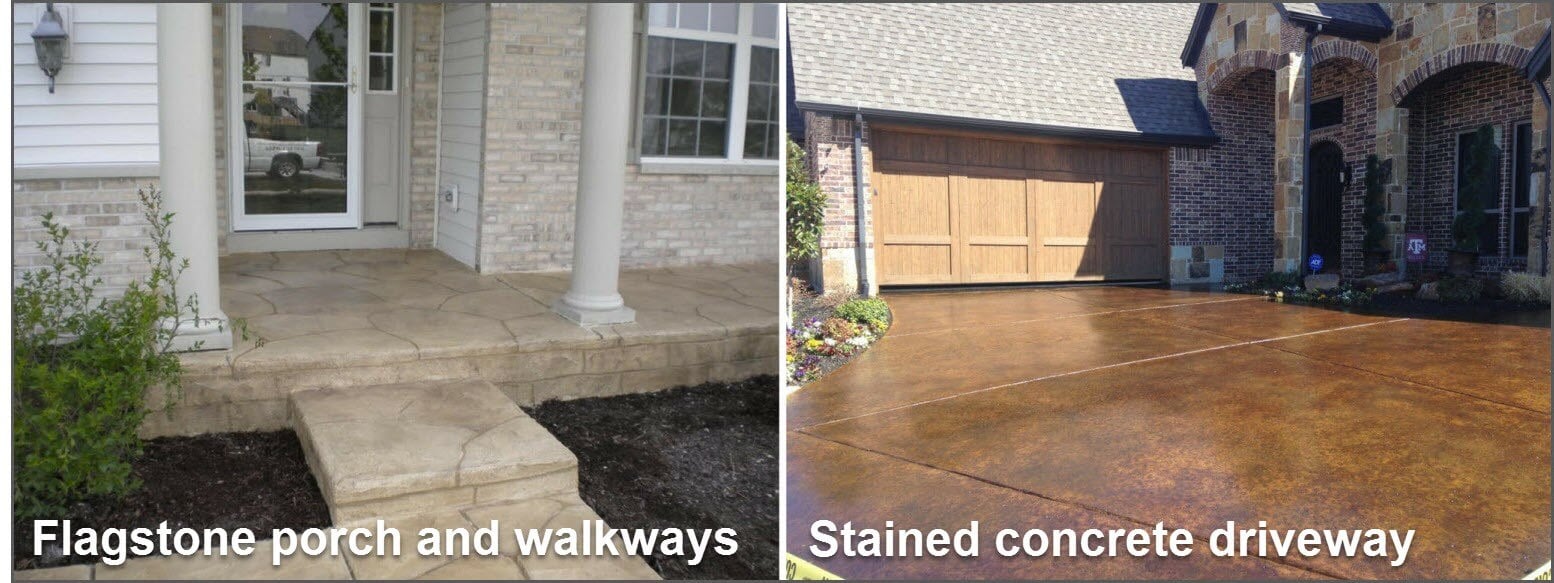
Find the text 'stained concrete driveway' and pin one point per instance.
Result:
(1120, 407)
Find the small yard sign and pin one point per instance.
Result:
(1415, 248)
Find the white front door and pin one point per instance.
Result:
(295, 111)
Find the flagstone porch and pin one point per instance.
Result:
(341, 319)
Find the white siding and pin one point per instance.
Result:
(462, 104)
(103, 110)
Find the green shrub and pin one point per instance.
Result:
(1460, 289)
(806, 207)
(872, 312)
(1277, 280)
(1525, 288)
(82, 362)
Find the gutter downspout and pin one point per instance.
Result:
(1305, 152)
(1548, 161)
(442, 50)
(860, 221)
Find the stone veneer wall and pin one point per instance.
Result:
(828, 141)
(1427, 39)
(1463, 100)
(534, 122)
(104, 210)
(1356, 136)
(1222, 197)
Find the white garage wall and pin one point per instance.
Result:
(101, 119)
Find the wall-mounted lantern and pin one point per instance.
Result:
(49, 39)
(1345, 174)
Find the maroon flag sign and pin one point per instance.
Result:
(1415, 248)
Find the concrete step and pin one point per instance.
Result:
(406, 449)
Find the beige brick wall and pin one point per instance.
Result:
(104, 210)
(533, 124)
(426, 47)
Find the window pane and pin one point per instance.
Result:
(714, 134)
(295, 149)
(687, 58)
(682, 137)
(1523, 188)
(653, 136)
(295, 42)
(661, 14)
(759, 107)
(693, 15)
(763, 65)
(1491, 180)
(1519, 233)
(659, 50)
(684, 97)
(765, 21)
(380, 76)
(719, 55)
(714, 100)
(725, 18)
(757, 140)
(381, 38)
(1489, 235)
(656, 98)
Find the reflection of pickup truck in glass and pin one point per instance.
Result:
(283, 158)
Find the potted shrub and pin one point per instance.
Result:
(1479, 184)
(1376, 252)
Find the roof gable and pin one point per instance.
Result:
(1356, 21)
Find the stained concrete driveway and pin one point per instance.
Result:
(1121, 407)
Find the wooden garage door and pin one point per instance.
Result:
(968, 209)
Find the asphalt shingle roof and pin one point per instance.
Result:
(1111, 68)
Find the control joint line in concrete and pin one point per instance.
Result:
(1068, 316)
(1104, 367)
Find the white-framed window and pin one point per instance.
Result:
(710, 84)
(382, 47)
(1523, 200)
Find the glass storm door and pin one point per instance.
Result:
(295, 104)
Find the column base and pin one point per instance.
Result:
(210, 332)
(585, 317)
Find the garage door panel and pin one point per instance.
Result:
(1008, 211)
(918, 218)
(918, 205)
(915, 264)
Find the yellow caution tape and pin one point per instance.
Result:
(801, 570)
(1539, 574)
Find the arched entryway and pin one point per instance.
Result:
(1324, 210)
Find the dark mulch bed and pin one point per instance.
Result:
(1489, 311)
(258, 481)
(690, 458)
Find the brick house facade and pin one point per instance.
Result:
(1411, 78)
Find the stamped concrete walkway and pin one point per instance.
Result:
(336, 319)
(1120, 407)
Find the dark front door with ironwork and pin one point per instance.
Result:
(1324, 212)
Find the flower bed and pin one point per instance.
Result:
(825, 331)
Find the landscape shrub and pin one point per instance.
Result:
(82, 361)
(1460, 289)
(871, 312)
(1525, 288)
(839, 329)
(806, 207)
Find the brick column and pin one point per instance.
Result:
(186, 104)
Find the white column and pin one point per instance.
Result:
(186, 127)
(594, 297)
